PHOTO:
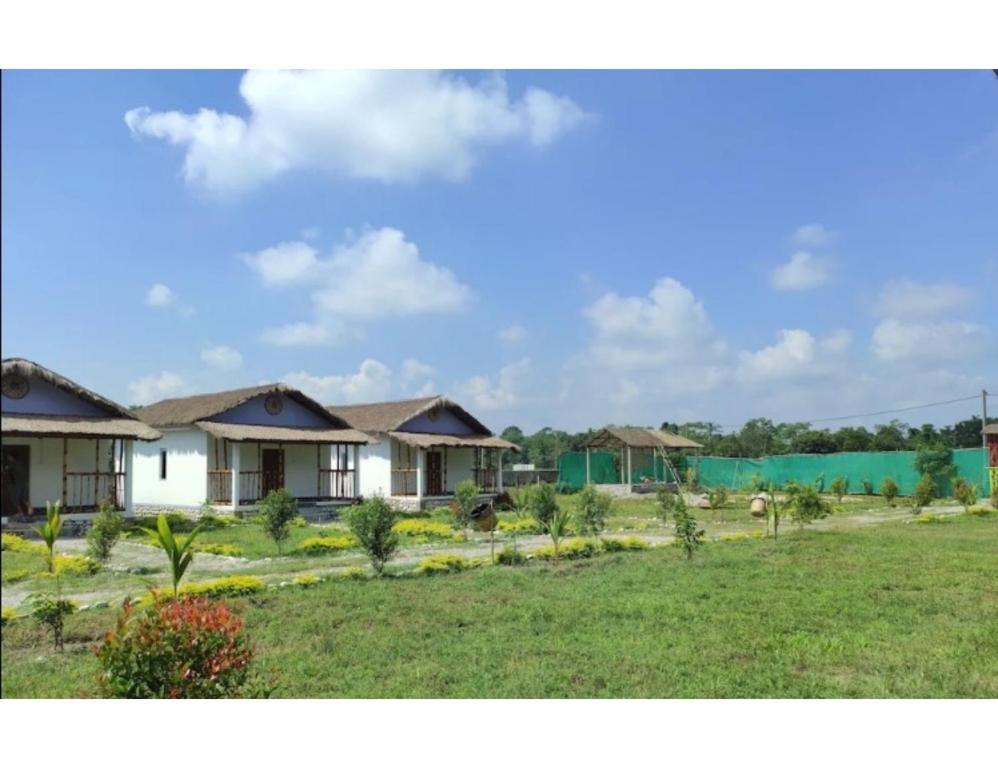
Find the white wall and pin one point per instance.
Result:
(45, 472)
(376, 468)
(186, 482)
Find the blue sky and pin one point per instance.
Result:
(550, 248)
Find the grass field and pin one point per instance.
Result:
(895, 610)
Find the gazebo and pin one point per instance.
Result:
(642, 443)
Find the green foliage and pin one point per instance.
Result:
(965, 493)
(51, 612)
(626, 544)
(981, 511)
(278, 509)
(443, 564)
(323, 545)
(14, 543)
(757, 483)
(432, 529)
(542, 502)
(372, 522)
(179, 553)
(510, 556)
(867, 487)
(839, 487)
(75, 565)
(465, 498)
(574, 549)
(889, 490)
(7, 615)
(226, 586)
(689, 535)
(192, 648)
(521, 526)
(925, 492)
(690, 479)
(49, 532)
(105, 530)
(557, 526)
(936, 461)
(805, 504)
(593, 509)
(306, 580)
(717, 497)
(218, 548)
(666, 503)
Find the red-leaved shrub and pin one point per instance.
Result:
(191, 648)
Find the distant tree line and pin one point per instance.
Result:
(763, 437)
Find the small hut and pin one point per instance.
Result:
(991, 436)
(640, 449)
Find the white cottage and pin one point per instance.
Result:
(424, 448)
(230, 449)
(63, 443)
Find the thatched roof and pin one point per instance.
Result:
(261, 434)
(638, 437)
(17, 425)
(185, 411)
(428, 440)
(119, 422)
(389, 416)
(991, 429)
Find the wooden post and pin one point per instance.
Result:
(236, 464)
(356, 470)
(499, 483)
(445, 470)
(630, 469)
(318, 470)
(65, 459)
(588, 470)
(127, 452)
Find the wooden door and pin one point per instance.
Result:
(434, 474)
(16, 462)
(272, 461)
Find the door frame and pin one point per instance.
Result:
(266, 487)
(24, 508)
(434, 475)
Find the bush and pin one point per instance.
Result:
(430, 528)
(839, 487)
(717, 497)
(666, 503)
(14, 543)
(805, 504)
(227, 586)
(932, 519)
(574, 549)
(104, 532)
(593, 510)
(542, 503)
(372, 522)
(980, 511)
(226, 550)
(7, 616)
(306, 580)
(443, 564)
(867, 487)
(278, 509)
(889, 490)
(465, 498)
(211, 522)
(510, 556)
(965, 493)
(193, 648)
(688, 534)
(936, 461)
(523, 525)
(627, 544)
(321, 545)
(52, 613)
(76, 565)
(925, 492)
(353, 573)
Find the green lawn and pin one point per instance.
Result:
(894, 610)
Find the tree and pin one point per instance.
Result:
(665, 503)
(594, 508)
(889, 490)
(805, 503)
(925, 492)
(815, 441)
(49, 532)
(180, 554)
(688, 533)
(465, 498)
(936, 461)
(854, 439)
(372, 523)
(965, 493)
(758, 437)
(557, 527)
(515, 435)
(104, 532)
(52, 612)
(890, 437)
(279, 508)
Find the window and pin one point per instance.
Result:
(162, 465)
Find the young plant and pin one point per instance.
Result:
(665, 503)
(925, 492)
(371, 522)
(690, 478)
(104, 532)
(465, 497)
(179, 553)
(688, 533)
(557, 527)
(278, 510)
(839, 487)
(889, 490)
(806, 505)
(717, 497)
(52, 613)
(965, 493)
(758, 483)
(49, 532)
(867, 487)
(774, 511)
(543, 502)
(594, 508)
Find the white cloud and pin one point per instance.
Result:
(896, 341)
(796, 355)
(413, 370)
(222, 357)
(512, 334)
(803, 272)
(502, 391)
(386, 125)
(155, 387)
(812, 236)
(371, 382)
(377, 274)
(908, 299)
(837, 341)
(160, 295)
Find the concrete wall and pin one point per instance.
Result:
(375, 468)
(45, 468)
(292, 415)
(186, 482)
(43, 398)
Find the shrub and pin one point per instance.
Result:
(306, 580)
(965, 493)
(575, 549)
(372, 522)
(594, 508)
(75, 565)
(227, 586)
(104, 532)
(212, 522)
(443, 564)
(193, 648)
(49, 532)
(932, 519)
(925, 492)
(627, 544)
(729, 537)
(717, 497)
(889, 490)
(980, 511)
(465, 498)
(805, 504)
(666, 503)
(557, 526)
(430, 528)
(523, 525)
(7, 616)
(52, 612)
(757, 483)
(14, 543)
(867, 487)
(321, 545)
(226, 550)
(353, 573)
(542, 503)
(278, 509)
(936, 461)
(839, 487)
(688, 534)
(510, 556)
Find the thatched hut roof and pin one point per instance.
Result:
(991, 429)
(638, 437)
(119, 422)
(185, 411)
(428, 440)
(255, 433)
(389, 416)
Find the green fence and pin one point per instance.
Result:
(604, 467)
(855, 467)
